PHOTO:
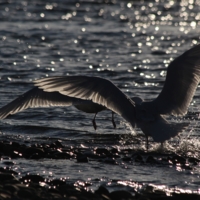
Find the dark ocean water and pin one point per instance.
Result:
(130, 43)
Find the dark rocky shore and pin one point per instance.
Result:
(32, 186)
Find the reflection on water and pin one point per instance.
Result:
(130, 43)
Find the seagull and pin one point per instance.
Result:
(182, 79)
(88, 106)
(38, 98)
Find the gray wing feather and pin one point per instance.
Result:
(183, 76)
(36, 98)
(99, 90)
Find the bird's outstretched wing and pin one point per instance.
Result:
(36, 98)
(183, 76)
(99, 90)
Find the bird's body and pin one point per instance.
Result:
(183, 76)
(89, 107)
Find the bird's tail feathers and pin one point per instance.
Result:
(162, 130)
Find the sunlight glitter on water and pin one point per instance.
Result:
(130, 43)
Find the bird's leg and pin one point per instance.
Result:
(147, 142)
(113, 120)
(93, 122)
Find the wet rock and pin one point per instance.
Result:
(114, 150)
(178, 159)
(57, 182)
(6, 149)
(186, 196)
(6, 177)
(60, 190)
(11, 188)
(81, 158)
(138, 158)
(5, 195)
(194, 161)
(36, 156)
(32, 178)
(152, 193)
(121, 195)
(126, 158)
(66, 189)
(92, 154)
(87, 184)
(44, 146)
(187, 167)
(7, 171)
(164, 159)
(73, 198)
(15, 145)
(61, 155)
(102, 151)
(148, 189)
(25, 193)
(151, 159)
(102, 191)
(58, 143)
(15, 154)
(33, 150)
(110, 161)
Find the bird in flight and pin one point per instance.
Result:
(94, 94)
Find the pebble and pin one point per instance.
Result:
(121, 195)
(28, 186)
(32, 178)
(81, 158)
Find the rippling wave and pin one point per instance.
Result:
(130, 43)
